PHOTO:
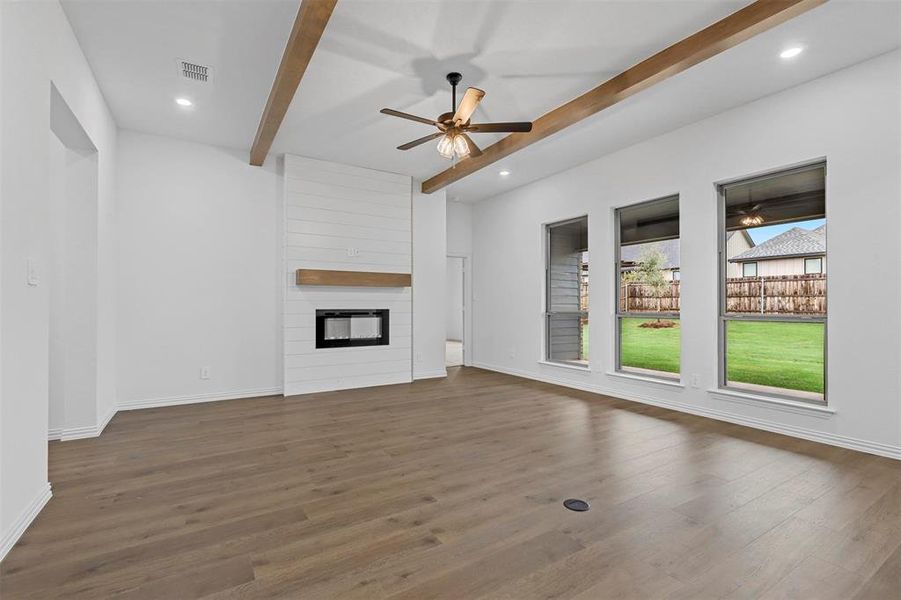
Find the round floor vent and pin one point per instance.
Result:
(576, 504)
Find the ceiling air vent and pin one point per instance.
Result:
(194, 72)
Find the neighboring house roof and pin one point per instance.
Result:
(744, 233)
(669, 248)
(794, 242)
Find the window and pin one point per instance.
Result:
(773, 327)
(813, 266)
(566, 316)
(677, 275)
(648, 288)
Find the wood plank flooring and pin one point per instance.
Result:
(453, 489)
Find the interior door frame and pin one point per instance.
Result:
(467, 305)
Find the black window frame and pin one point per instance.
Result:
(548, 314)
(723, 317)
(620, 315)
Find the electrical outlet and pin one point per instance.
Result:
(353, 251)
(512, 352)
(204, 372)
(695, 380)
(419, 357)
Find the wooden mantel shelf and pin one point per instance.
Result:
(352, 278)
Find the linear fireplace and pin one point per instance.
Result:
(343, 328)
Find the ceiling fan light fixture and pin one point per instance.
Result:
(446, 146)
(751, 220)
(461, 147)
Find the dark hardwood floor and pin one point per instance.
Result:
(453, 489)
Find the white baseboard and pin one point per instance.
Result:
(434, 374)
(197, 398)
(878, 448)
(65, 434)
(18, 527)
(105, 420)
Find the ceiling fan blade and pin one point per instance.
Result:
(468, 104)
(421, 140)
(521, 127)
(403, 115)
(473, 149)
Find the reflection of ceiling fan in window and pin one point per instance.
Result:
(751, 217)
(454, 126)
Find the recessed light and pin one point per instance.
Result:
(791, 52)
(504, 173)
(184, 102)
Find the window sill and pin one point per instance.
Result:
(793, 406)
(585, 369)
(647, 379)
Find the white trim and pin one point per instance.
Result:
(198, 398)
(78, 433)
(648, 379)
(65, 434)
(299, 389)
(105, 421)
(792, 406)
(562, 365)
(25, 519)
(433, 374)
(878, 448)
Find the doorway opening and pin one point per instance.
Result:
(71, 274)
(455, 319)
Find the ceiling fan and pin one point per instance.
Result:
(454, 126)
(750, 216)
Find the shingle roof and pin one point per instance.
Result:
(794, 242)
(669, 249)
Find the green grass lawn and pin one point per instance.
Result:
(784, 355)
(645, 348)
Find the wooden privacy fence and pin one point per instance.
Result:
(775, 295)
(639, 297)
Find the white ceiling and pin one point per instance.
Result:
(529, 56)
(133, 46)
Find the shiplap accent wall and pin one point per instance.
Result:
(354, 219)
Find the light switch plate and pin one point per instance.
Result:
(32, 275)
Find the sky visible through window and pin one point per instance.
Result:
(762, 234)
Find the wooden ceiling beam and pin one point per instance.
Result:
(312, 17)
(747, 22)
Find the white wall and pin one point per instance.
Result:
(71, 279)
(459, 228)
(429, 298)
(199, 280)
(453, 322)
(459, 243)
(37, 47)
(332, 211)
(56, 280)
(850, 117)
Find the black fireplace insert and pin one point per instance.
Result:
(344, 328)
